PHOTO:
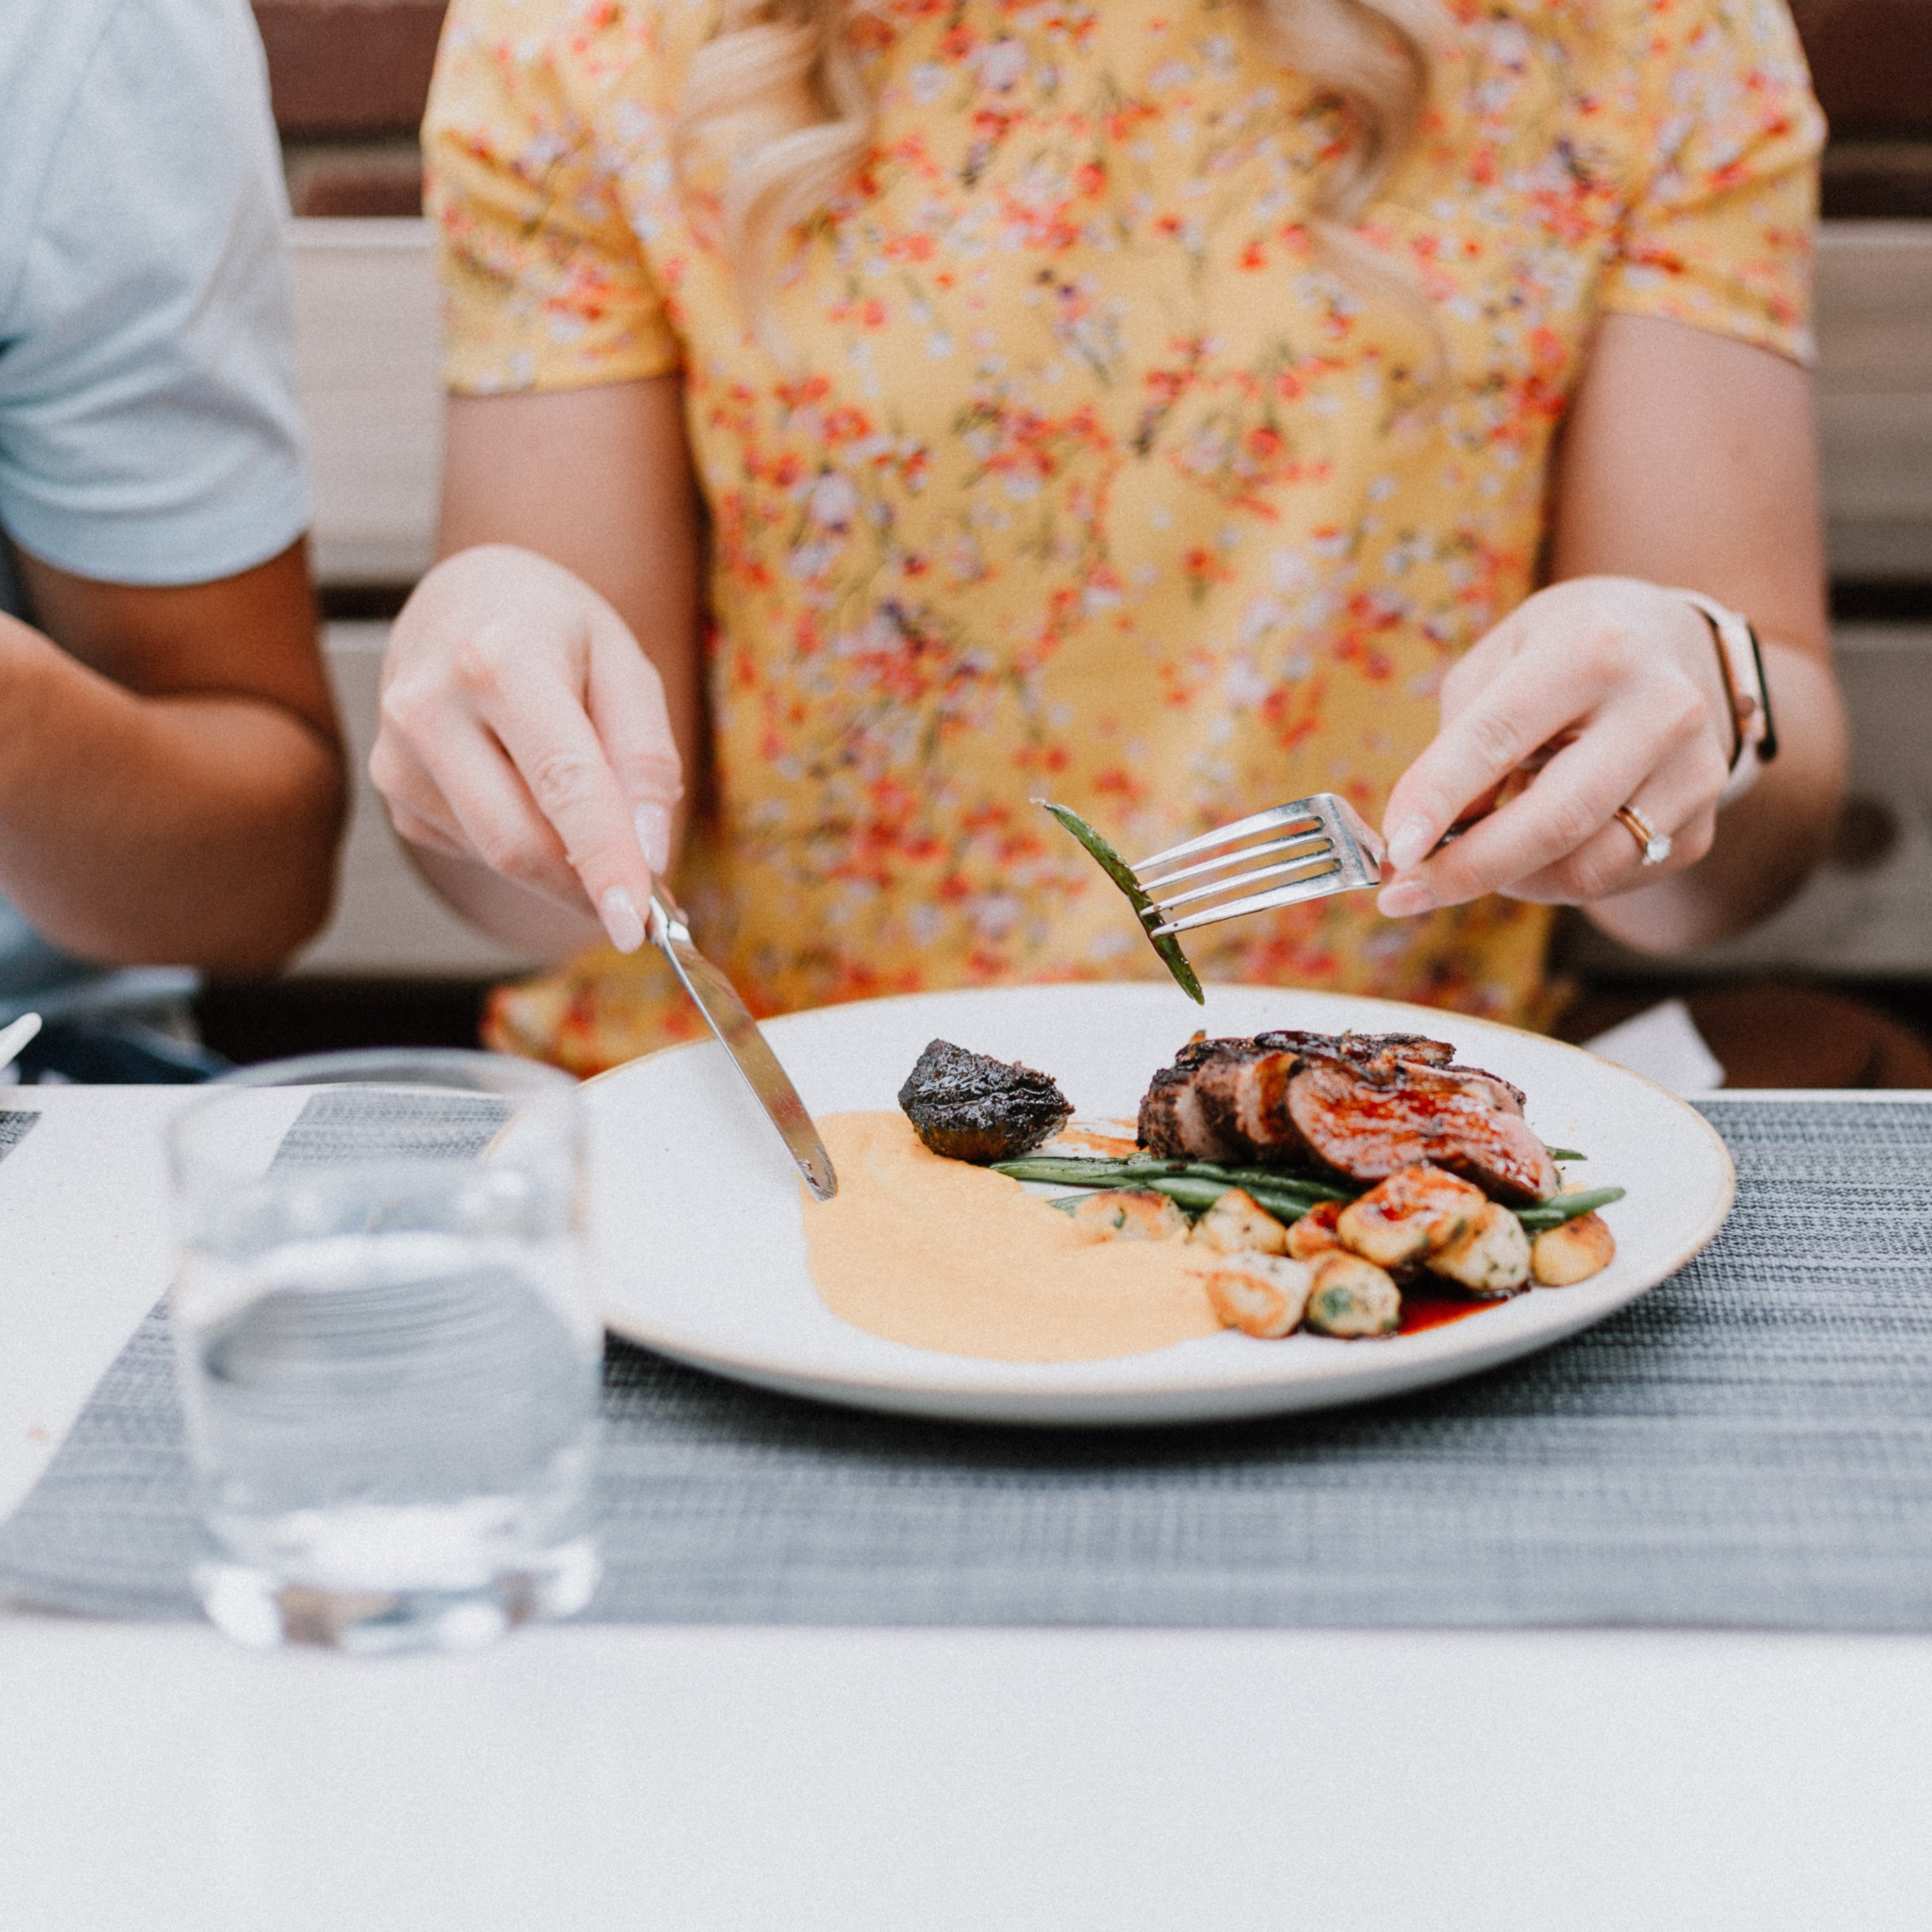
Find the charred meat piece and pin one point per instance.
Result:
(1227, 1100)
(1223, 1099)
(1369, 1122)
(968, 1106)
(1367, 1048)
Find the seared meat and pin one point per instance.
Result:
(1370, 1048)
(968, 1106)
(1222, 1099)
(1227, 1100)
(1364, 1105)
(1369, 1122)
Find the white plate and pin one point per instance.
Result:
(698, 1211)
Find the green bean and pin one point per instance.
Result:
(1197, 1185)
(1566, 1207)
(1139, 1170)
(1281, 1180)
(1081, 1171)
(1117, 869)
(1192, 1194)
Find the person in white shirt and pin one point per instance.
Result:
(171, 778)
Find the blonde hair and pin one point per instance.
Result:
(778, 95)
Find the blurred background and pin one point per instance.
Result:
(1836, 991)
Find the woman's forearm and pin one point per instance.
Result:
(1768, 840)
(194, 828)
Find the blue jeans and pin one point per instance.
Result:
(106, 1052)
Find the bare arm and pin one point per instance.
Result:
(171, 786)
(1687, 462)
(1691, 460)
(535, 725)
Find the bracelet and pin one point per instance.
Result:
(1754, 737)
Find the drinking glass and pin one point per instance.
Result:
(387, 1348)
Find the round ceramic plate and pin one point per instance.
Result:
(698, 1213)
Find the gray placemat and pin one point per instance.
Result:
(1750, 1444)
(15, 1124)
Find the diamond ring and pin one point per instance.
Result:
(1653, 844)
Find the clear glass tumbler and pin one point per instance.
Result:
(387, 1347)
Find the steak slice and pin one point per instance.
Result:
(969, 1106)
(1222, 1100)
(1368, 1048)
(1227, 1100)
(1370, 1121)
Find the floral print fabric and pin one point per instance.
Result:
(1077, 471)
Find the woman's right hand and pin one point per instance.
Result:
(524, 729)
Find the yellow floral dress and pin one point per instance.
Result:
(1084, 477)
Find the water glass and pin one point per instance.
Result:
(387, 1347)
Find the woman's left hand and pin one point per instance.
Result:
(1625, 676)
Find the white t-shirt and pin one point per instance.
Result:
(149, 432)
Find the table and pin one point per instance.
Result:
(155, 1777)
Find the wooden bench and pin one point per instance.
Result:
(367, 342)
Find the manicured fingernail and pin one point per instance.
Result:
(1406, 900)
(619, 911)
(652, 821)
(1409, 843)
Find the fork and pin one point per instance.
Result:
(1323, 846)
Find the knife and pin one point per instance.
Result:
(717, 999)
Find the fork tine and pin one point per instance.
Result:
(1323, 855)
(1293, 812)
(1313, 841)
(1347, 855)
(1320, 886)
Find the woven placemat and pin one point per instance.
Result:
(15, 1124)
(1749, 1445)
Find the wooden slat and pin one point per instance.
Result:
(349, 66)
(1874, 298)
(367, 347)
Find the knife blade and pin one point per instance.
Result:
(717, 999)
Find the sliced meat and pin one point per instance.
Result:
(1223, 1099)
(1368, 1048)
(1227, 1100)
(1510, 1098)
(968, 1106)
(1369, 1122)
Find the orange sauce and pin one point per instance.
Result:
(942, 1255)
(955, 1258)
(1091, 1140)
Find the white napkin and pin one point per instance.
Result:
(1662, 1044)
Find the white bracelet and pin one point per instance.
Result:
(1754, 736)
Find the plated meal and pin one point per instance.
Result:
(960, 1290)
(1350, 1186)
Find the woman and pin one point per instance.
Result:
(883, 418)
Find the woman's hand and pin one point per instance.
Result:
(1626, 677)
(524, 730)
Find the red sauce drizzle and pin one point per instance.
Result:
(1424, 1309)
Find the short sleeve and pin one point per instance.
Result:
(150, 430)
(1718, 233)
(545, 283)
